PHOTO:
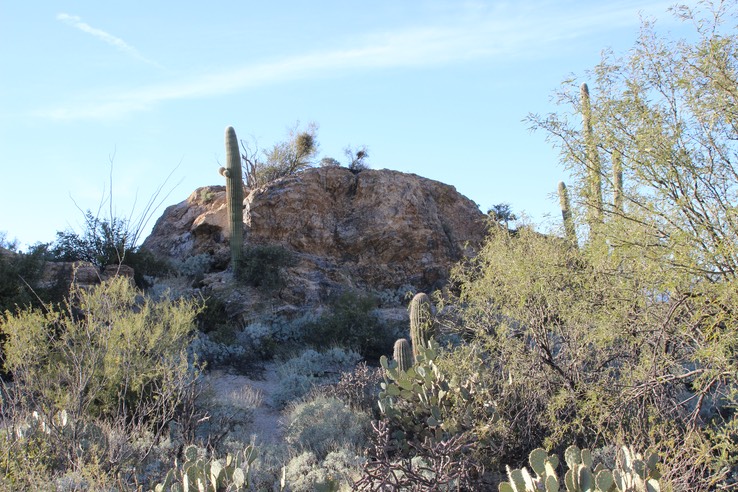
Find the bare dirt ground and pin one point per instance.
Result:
(247, 392)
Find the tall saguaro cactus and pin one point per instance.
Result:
(593, 189)
(617, 179)
(569, 229)
(234, 197)
(422, 328)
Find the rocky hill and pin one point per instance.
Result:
(374, 229)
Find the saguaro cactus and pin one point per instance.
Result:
(592, 160)
(617, 180)
(422, 327)
(234, 197)
(569, 229)
(403, 354)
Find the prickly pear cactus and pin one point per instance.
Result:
(198, 474)
(403, 354)
(234, 197)
(633, 473)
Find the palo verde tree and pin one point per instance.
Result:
(659, 141)
(661, 126)
(632, 337)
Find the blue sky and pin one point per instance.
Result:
(436, 88)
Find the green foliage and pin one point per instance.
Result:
(262, 266)
(645, 329)
(234, 198)
(112, 354)
(283, 159)
(324, 424)
(19, 277)
(106, 242)
(311, 368)
(351, 323)
(102, 242)
(423, 402)
(633, 473)
(306, 473)
(502, 213)
(214, 475)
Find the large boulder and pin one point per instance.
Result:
(375, 229)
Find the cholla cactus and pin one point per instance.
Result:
(234, 197)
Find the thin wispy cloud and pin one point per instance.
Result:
(528, 32)
(116, 42)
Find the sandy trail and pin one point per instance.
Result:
(246, 392)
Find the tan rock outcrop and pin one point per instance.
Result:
(375, 228)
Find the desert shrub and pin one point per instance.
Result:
(442, 464)
(216, 354)
(270, 337)
(213, 316)
(196, 266)
(260, 339)
(102, 242)
(105, 242)
(358, 388)
(323, 424)
(352, 323)
(396, 297)
(356, 158)
(591, 345)
(306, 473)
(110, 359)
(262, 266)
(19, 275)
(636, 332)
(301, 373)
(283, 159)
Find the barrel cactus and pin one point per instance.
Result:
(234, 197)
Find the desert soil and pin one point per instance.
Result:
(251, 392)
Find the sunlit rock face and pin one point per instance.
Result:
(374, 229)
